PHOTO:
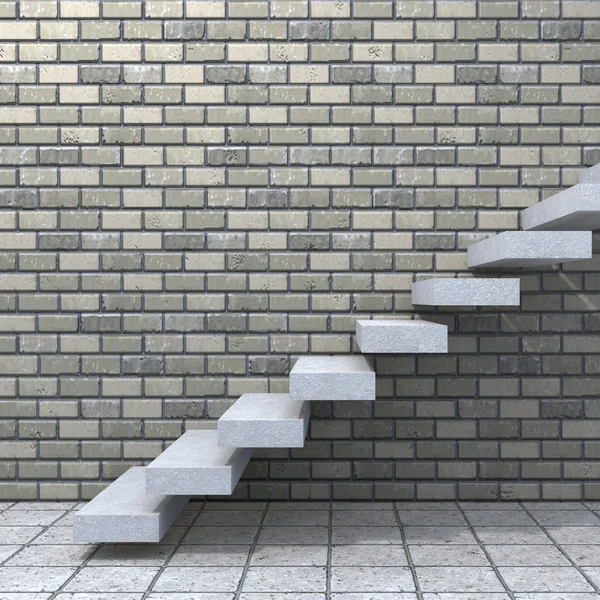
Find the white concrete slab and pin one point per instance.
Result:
(575, 209)
(450, 291)
(530, 249)
(401, 337)
(196, 466)
(264, 421)
(591, 175)
(124, 512)
(332, 378)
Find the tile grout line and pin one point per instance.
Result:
(45, 528)
(481, 545)
(176, 547)
(246, 567)
(560, 549)
(79, 568)
(409, 559)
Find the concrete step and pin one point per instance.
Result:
(196, 466)
(124, 512)
(530, 249)
(264, 421)
(332, 378)
(591, 175)
(575, 209)
(447, 291)
(401, 337)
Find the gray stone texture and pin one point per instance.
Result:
(195, 465)
(264, 421)
(575, 209)
(196, 194)
(516, 249)
(332, 378)
(125, 512)
(466, 291)
(383, 336)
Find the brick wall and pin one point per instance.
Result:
(193, 195)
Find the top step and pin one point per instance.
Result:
(332, 378)
(388, 336)
(521, 249)
(124, 512)
(575, 209)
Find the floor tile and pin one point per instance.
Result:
(368, 556)
(544, 596)
(33, 579)
(290, 518)
(585, 555)
(499, 518)
(218, 505)
(131, 555)
(285, 579)
(112, 579)
(57, 535)
(30, 518)
(189, 596)
(294, 506)
(458, 579)
(495, 506)
(430, 518)
(527, 555)
(185, 518)
(51, 556)
(221, 535)
(575, 535)
(567, 518)
(554, 506)
(436, 506)
(43, 506)
(289, 556)
(210, 556)
(439, 535)
(448, 556)
(364, 518)
(102, 596)
(228, 518)
(283, 596)
(19, 535)
(199, 579)
(372, 579)
(544, 579)
(594, 575)
(7, 550)
(362, 505)
(461, 596)
(366, 535)
(372, 596)
(512, 535)
(293, 535)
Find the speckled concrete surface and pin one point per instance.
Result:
(313, 551)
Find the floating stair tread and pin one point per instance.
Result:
(401, 337)
(447, 291)
(591, 175)
(264, 421)
(575, 209)
(530, 249)
(332, 378)
(195, 465)
(124, 512)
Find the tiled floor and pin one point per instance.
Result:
(313, 551)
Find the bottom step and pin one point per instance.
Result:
(195, 466)
(123, 512)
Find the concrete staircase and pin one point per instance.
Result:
(142, 504)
